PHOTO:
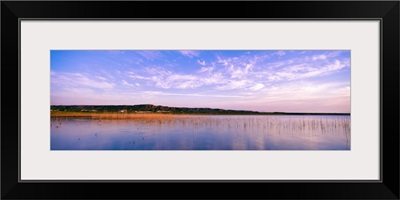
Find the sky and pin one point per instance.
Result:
(258, 80)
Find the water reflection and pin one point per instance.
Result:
(203, 133)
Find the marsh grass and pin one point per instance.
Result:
(287, 124)
(113, 115)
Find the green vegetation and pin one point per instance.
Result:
(148, 108)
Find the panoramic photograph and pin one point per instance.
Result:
(200, 100)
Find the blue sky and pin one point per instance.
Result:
(260, 80)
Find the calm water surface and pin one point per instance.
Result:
(204, 133)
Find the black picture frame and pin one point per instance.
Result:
(386, 11)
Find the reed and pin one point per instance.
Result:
(270, 123)
(148, 116)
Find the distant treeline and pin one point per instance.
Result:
(148, 108)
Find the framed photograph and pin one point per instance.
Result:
(299, 96)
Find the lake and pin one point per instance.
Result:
(204, 132)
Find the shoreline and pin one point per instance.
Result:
(154, 115)
(159, 109)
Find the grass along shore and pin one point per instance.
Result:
(158, 115)
(112, 115)
(201, 121)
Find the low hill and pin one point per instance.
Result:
(149, 108)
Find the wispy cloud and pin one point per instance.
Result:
(319, 57)
(256, 80)
(126, 83)
(101, 78)
(78, 79)
(246, 72)
(280, 53)
(206, 69)
(158, 93)
(233, 84)
(203, 63)
(149, 55)
(257, 86)
(190, 53)
(302, 71)
(166, 79)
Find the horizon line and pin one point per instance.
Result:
(209, 108)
